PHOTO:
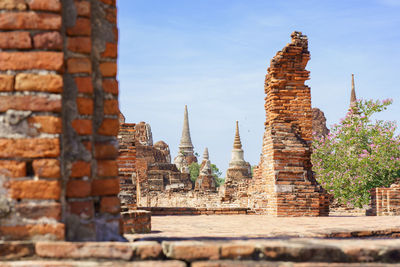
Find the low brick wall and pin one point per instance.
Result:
(386, 201)
(136, 221)
(195, 211)
(292, 252)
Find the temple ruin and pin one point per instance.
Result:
(206, 180)
(238, 175)
(283, 181)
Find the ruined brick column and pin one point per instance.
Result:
(59, 116)
(284, 184)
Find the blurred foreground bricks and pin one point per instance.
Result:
(292, 252)
(58, 125)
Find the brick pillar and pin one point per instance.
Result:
(59, 120)
(284, 184)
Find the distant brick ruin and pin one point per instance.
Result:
(206, 180)
(283, 182)
(319, 123)
(238, 175)
(59, 120)
(386, 201)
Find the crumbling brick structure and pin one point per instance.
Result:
(127, 164)
(283, 182)
(319, 123)
(59, 120)
(385, 201)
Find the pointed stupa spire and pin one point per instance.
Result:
(205, 154)
(237, 151)
(353, 97)
(237, 144)
(186, 142)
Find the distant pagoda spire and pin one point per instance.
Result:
(237, 158)
(186, 142)
(353, 98)
(205, 154)
(237, 144)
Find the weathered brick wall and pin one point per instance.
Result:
(59, 116)
(386, 201)
(127, 164)
(283, 182)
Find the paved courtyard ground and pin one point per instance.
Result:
(238, 227)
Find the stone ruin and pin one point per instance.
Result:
(319, 123)
(283, 183)
(238, 175)
(150, 169)
(185, 155)
(206, 180)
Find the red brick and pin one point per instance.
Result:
(47, 5)
(107, 168)
(29, 148)
(88, 145)
(104, 187)
(84, 84)
(13, 4)
(82, 28)
(12, 168)
(78, 188)
(79, 65)
(105, 151)
(191, 250)
(47, 168)
(22, 232)
(15, 40)
(84, 209)
(82, 127)
(83, 8)
(6, 83)
(110, 86)
(35, 189)
(85, 105)
(110, 205)
(108, 69)
(29, 102)
(80, 44)
(48, 40)
(46, 124)
(109, 127)
(33, 210)
(29, 21)
(34, 82)
(111, 51)
(111, 107)
(80, 169)
(109, 2)
(31, 60)
(111, 15)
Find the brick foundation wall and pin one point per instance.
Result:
(283, 182)
(385, 201)
(59, 115)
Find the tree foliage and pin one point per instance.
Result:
(358, 154)
(194, 170)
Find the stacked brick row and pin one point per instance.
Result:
(127, 164)
(284, 176)
(59, 104)
(386, 201)
(31, 87)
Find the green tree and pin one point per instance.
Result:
(358, 155)
(194, 170)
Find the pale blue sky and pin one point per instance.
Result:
(213, 56)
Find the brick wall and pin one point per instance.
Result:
(283, 182)
(127, 164)
(59, 116)
(386, 201)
